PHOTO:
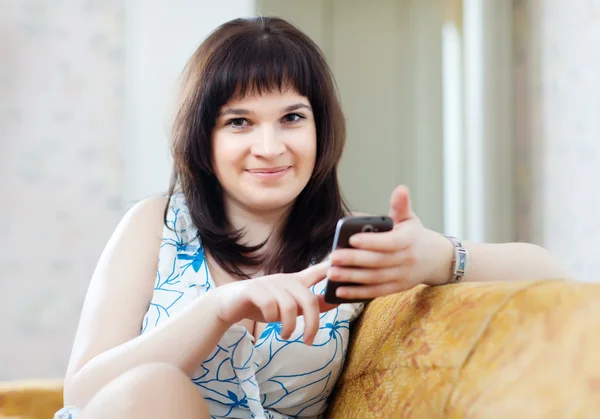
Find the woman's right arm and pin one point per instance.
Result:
(108, 340)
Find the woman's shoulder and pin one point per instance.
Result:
(147, 214)
(151, 205)
(161, 216)
(155, 207)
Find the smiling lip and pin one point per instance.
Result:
(270, 173)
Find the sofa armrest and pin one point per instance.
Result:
(32, 399)
(476, 350)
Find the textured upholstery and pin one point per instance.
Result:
(500, 350)
(474, 350)
(30, 399)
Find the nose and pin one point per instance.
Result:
(268, 144)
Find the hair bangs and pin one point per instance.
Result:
(254, 66)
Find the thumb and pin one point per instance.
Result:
(315, 273)
(400, 205)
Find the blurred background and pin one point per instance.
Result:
(489, 110)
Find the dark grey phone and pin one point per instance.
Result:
(346, 227)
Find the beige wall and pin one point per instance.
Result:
(61, 103)
(558, 129)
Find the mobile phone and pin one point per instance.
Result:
(346, 227)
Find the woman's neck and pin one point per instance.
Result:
(257, 226)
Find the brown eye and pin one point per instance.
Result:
(237, 123)
(293, 117)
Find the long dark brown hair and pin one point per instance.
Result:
(246, 56)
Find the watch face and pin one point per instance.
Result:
(461, 262)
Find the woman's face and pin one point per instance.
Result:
(264, 149)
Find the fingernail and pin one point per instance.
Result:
(354, 241)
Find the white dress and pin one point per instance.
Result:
(269, 377)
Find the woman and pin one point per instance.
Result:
(209, 302)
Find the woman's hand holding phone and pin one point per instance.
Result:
(378, 263)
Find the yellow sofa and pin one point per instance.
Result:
(498, 350)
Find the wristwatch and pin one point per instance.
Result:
(460, 261)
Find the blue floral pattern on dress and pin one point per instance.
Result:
(268, 377)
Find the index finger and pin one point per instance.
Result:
(388, 241)
(315, 273)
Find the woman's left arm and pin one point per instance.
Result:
(490, 261)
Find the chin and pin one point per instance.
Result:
(270, 200)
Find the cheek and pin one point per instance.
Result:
(311, 154)
(227, 154)
(305, 149)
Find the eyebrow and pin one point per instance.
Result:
(241, 111)
(297, 106)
